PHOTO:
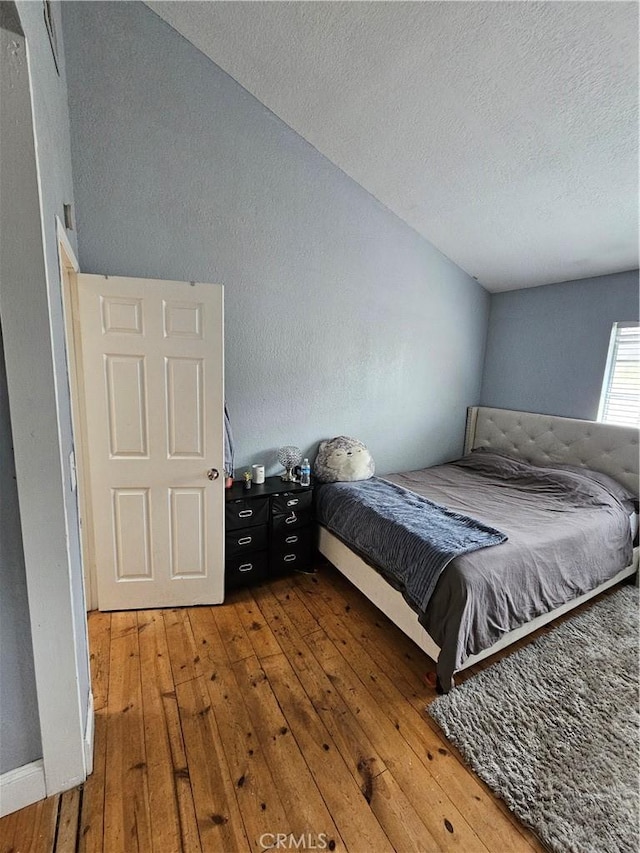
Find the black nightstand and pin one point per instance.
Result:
(268, 530)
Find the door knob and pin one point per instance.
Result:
(213, 473)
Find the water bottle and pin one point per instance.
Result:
(305, 473)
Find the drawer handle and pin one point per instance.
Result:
(245, 540)
(245, 567)
(291, 540)
(293, 502)
(291, 519)
(245, 513)
(289, 558)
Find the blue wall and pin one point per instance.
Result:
(19, 722)
(339, 317)
(547, 346)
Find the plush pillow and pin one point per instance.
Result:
(343, 459)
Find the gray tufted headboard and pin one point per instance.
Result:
(543, 439)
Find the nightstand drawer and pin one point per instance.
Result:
(288, 540)
(292, 520)
(247, 539)
(285, 503)
(246, 569)
(246, 512)
(290, 558)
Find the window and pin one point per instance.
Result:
(620, 398)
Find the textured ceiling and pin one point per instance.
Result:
(504, 132)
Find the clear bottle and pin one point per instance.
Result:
(305, 473)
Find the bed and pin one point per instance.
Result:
(454, 630)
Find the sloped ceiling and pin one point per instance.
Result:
(506, 133)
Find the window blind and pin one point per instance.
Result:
(620, 398)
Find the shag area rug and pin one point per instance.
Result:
(553, 729)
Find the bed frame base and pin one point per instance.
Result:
(392, 604)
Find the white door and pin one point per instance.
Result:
(152, 367)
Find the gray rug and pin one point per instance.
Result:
(553, 729)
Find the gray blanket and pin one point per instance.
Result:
(567, 533)
(410, 537)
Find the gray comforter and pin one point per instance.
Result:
(409, 537)
(567, 533)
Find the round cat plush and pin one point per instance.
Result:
(343, 460)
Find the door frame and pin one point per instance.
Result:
(69, 269)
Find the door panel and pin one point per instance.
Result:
(153, 384)
(185, 407)
(188, 513)
(127, 402)
(132, 534)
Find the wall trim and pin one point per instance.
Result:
(21, 787)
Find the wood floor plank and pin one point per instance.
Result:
(190, 835)
(68, 821)
(356, 749)
(491, 825)
(382, 640)
(220, 823)
(207, 639)
(348, 804)
(156, 680)
(237, 644)
(188, 822)
(257, 790)
(301, 617)
(373, 626)
(127, 824)
(91, 838)
(45, 830)
(440, 815)
(34, 827)
(8, 839)
(306, 811)
(99, 625)
(257, 794)
(377, 636)
(260, 635)
(401, 822)
(184, 655)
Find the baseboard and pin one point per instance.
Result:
(21, 787)
(88, 737)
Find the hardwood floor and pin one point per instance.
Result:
(294, 709)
